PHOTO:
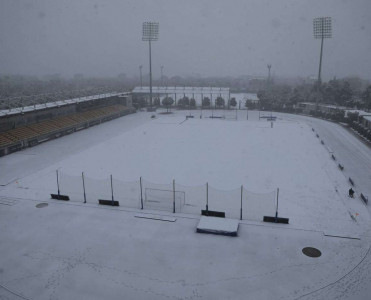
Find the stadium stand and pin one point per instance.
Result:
(64, 122)
(22, 133)
(4, 140)
(31, 134)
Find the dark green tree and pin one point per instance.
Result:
(331, 92)
(183, 102)
(219, 102)
(139, 102)
(366, 97)
(264, 100)
(345, 94)
(156, 101)
(167, 102)
(250, 104)
(233, 102)
(192, 102)
(186, 101)
(206, 102)
(295, 97)
(352, 117)
(180, 103)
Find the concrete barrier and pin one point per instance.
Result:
(364, 198)
(109, 202)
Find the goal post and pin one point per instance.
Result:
(230, 114)
(161, 199)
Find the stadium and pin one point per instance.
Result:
(185, 150)
(120, 208)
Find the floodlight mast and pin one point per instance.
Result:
(140, 73)
(322, 29)
(150, 33)
(269, 75)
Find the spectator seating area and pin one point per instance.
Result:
(34, 133)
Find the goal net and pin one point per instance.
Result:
(257, 205)
(159, 199)
(213, 113)
(230, 114)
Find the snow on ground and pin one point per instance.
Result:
(69, 250)
(226, 154)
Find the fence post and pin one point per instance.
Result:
(278, 191)
(364, 198)
(141, 193)
(173, 195)
(83, 186)
(58, 183)
(207, 196)
(241, 203)
(112, 191)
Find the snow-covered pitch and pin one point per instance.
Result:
(225, 154)
(70, 250)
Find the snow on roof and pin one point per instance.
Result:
(245, 96)
(324, 105)
(360, 112)
(252, 97)
(181, 90)
(216, 225)
(24, 109)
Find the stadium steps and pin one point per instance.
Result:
(22, 133)
(64, 122)
(5, 141)
(78, 118)
(44, 128)
(93, 114)
(110, 110)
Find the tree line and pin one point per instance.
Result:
(185, 102)
(278, 94)
(350, 93)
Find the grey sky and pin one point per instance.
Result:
(210, 37)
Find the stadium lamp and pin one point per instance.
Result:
(140, 74)
(150, 33)
(269, 75)
(322, 29)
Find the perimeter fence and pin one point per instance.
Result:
(173, 197)
(219, 113)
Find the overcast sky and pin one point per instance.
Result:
(209, 38)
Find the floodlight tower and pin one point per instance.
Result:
(140, 72)
(150, 33)
(162, 75)
(269, 74)
(322, 29)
